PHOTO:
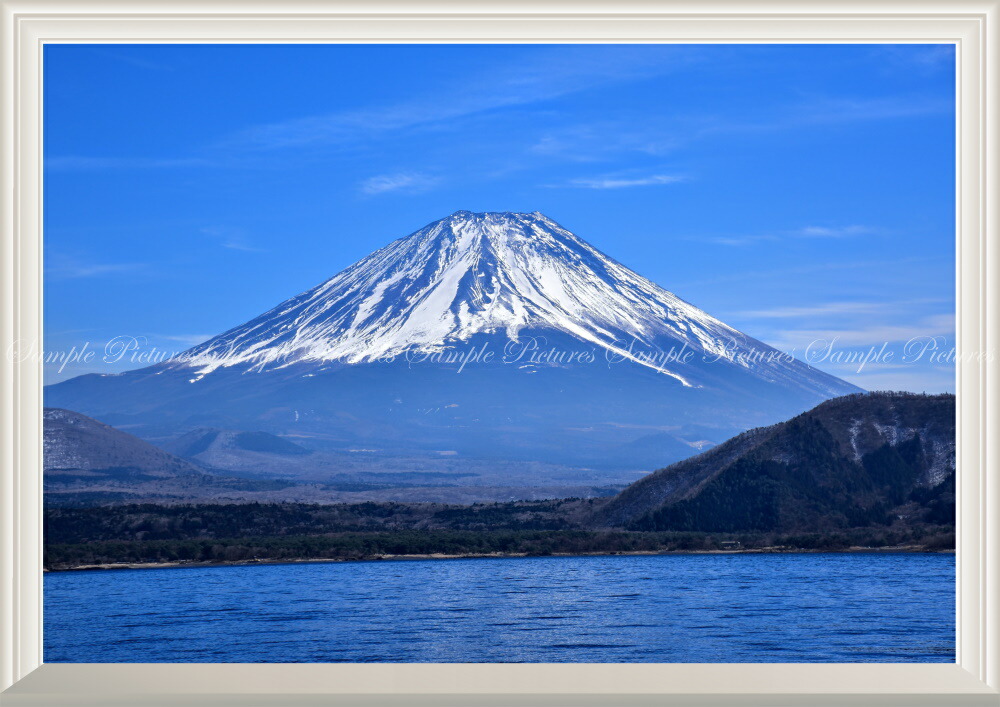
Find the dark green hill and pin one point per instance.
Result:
(858, 460)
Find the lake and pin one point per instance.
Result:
(620, 609)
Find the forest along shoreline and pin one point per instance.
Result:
(860, 473)
(147, 535)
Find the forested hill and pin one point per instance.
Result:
(858, 460)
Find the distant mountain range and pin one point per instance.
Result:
(861, 471)
(79, 447)
(861, 460)
(858, 460)
(90, 463)
(93, 462)
(489, 336)
(206, 445)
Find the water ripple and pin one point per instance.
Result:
(677, 608)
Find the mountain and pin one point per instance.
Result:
(82, 453)
(366, 475)
(857, 460)
(89, 463)
(204, 442)
(473, 274)
(75, 444)
(482, 335)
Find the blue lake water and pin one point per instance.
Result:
(665, 608)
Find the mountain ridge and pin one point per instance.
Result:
(373, 357)
(483, 273)
(854, 460)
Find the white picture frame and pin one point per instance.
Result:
(973, 26)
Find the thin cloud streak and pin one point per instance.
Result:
(512, 87)
(129, 59)
(584, 142)
(815, 310)
(553, 75)
(231, 238)
(68, 270)
(835, 110)
(619, 183)
(836, 232)
(403, 181)
(804, 232)
(942, 325)
(737, 241)
(836, 308)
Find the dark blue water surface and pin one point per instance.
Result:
(666, 608)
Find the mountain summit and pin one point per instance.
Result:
(467, 274)
(576, 359)
(489, 273)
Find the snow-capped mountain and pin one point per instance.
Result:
(464, 275)
(484, 273)
(636, 375)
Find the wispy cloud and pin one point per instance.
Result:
(735, 240)
(66, 268)
(936, 54)
(819, 111)
(496, 93)
(804, 232)
(544, 75)
(232, 238)
(823, 110)
(130, 58)
(827, 308)
(930, 326)
(659, 134)
(597, 141)
(925, 59)
(836, 231)
(841, 309)
(620, 183)
(403, 181)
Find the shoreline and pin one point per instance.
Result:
(181, 564)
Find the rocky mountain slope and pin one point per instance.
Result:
(86, 460)
(77, 446)
(857, 460)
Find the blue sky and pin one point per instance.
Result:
(800, 193)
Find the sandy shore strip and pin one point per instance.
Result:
(469, 556)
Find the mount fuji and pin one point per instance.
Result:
(483, 335)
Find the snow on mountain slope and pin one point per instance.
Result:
(484, 273)
(370, 360)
